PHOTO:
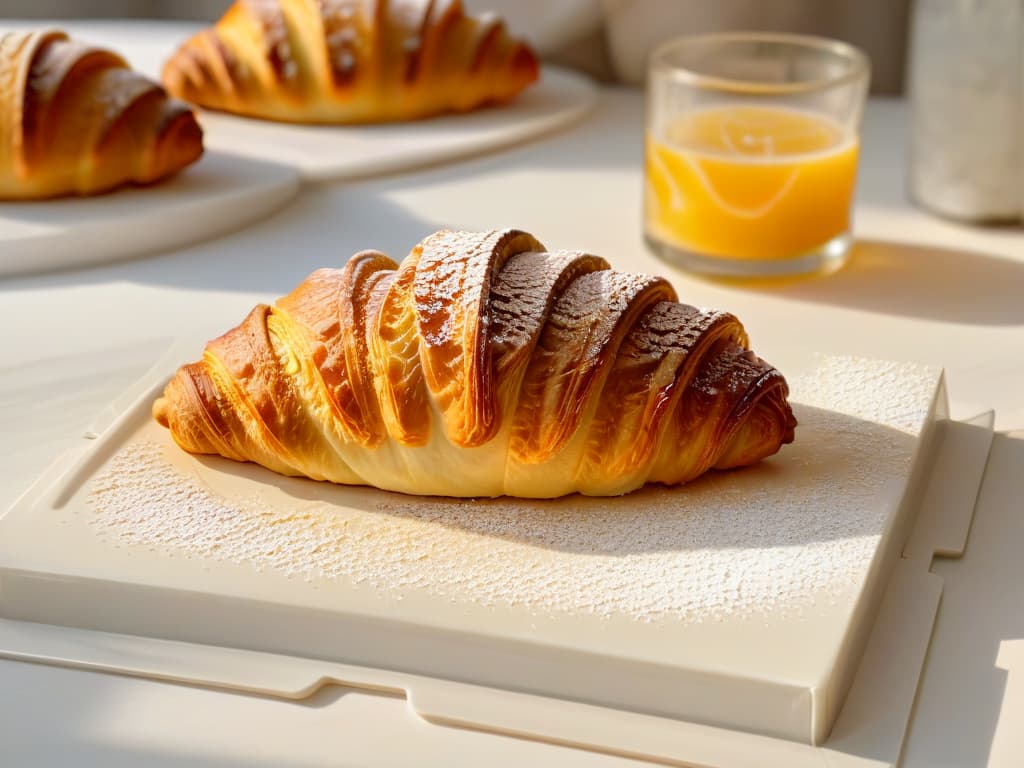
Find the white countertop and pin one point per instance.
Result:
(917, 289)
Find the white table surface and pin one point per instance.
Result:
(917, 288)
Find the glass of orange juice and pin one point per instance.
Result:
(751, 152)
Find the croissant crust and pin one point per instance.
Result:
(350, 61)
(76, 120)
(482, 365)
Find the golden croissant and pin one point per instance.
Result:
(76, 120)
(482, 365)
(350, 61)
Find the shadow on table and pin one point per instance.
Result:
(87, 733)
(959, 713)
(918, 281)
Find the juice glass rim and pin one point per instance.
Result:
(859, 64)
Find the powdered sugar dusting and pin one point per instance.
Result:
(796, 531)
(523, 289)
(898, 395)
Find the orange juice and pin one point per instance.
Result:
(750, 182)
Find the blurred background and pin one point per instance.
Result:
(609, 39)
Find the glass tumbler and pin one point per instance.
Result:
(751, 152)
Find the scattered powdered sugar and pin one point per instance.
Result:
(897, 395)
(796, 531)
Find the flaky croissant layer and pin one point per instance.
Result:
(350, 61)
(482, 365)
(76, 120)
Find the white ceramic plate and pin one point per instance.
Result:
(341, 152)
(216, 195)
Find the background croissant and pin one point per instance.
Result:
(77, 120)
(481, 366)
(350, 61)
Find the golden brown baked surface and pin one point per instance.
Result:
(482, 365)
(350, 61)
(76, 120)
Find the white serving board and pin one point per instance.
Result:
(214, 196)
(742, 601)
(561, 98)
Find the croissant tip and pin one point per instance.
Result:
(179, 142)
(527, 61)
(161, 412)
